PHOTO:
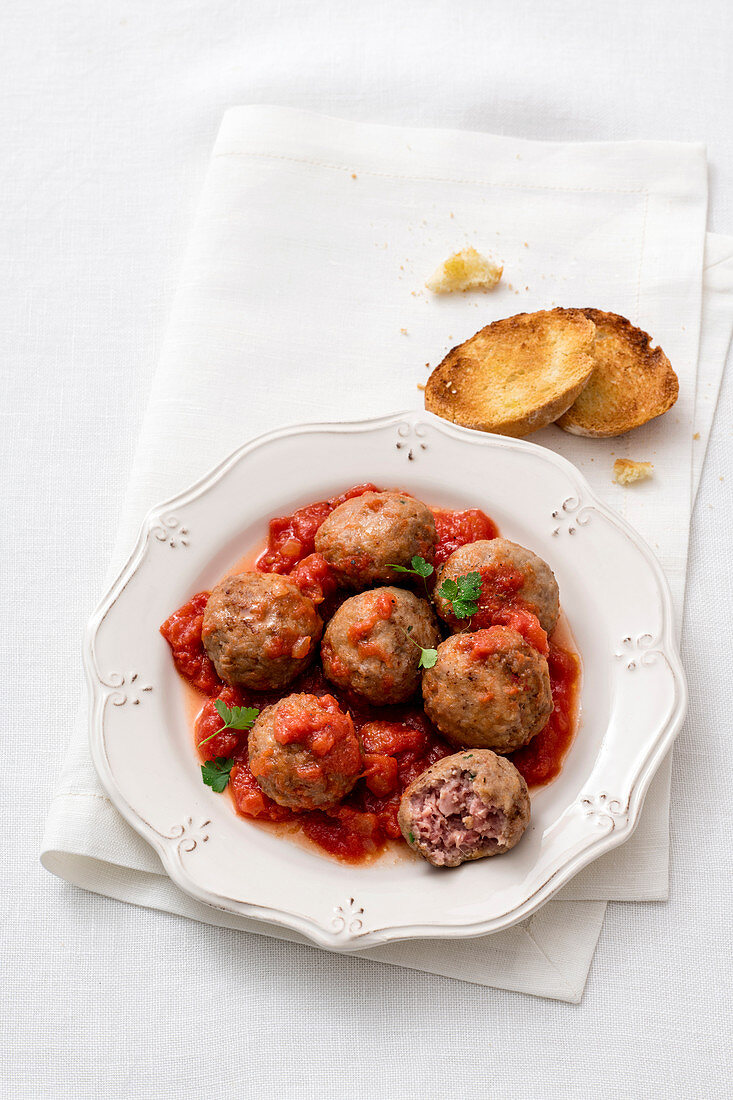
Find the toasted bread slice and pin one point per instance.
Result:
(516, 375)
(632, 381)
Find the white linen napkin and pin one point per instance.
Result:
(302, 299)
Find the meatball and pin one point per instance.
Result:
(510, 575)
(372, 644)
(489, 689)
(365, 535)
(467, 806)
(260, 630)
(304, 752)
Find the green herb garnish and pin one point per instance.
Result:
(420, 568)
(215, 773)
(463, 594)
(428, 657)
(238, 718)
(411, 838)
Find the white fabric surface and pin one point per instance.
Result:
(108, 116)
(308, 251)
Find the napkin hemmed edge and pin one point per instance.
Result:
(154, 891)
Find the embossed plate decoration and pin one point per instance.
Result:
(612, 590)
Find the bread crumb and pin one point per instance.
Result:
(353, 175)
(526, 245)
(465, 270)
(403, 331)
(421, 386)
(696, 435)
(626, 472)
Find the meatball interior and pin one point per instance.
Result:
(260, 630)
(304, 752)
(489, 689)
(372, 644)
(365, 535)
(511, 576)
(464, 807)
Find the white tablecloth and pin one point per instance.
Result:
(109, 114)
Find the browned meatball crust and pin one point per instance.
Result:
(467, 806)
(489, 689)
(365, 535)
(372, 644)
(304, 752)
(260, 630)
(499, 561)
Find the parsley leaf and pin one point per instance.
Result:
(238, 718)
(448, 590)
(215, 773)
(420, 568)
(463, 594)
(428, 657)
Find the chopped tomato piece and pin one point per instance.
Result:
(182, 631)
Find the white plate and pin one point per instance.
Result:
(613, 593)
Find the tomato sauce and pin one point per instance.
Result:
(541, 760)
(459, 528)
(397, 743)
(182, 631)
(292, 538)
(525, 623)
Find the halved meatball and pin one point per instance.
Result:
(489, 689)
(510, 576)
(260, 630)
(365, 535)
(467, 806)
(304, 752)
(372, 644)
